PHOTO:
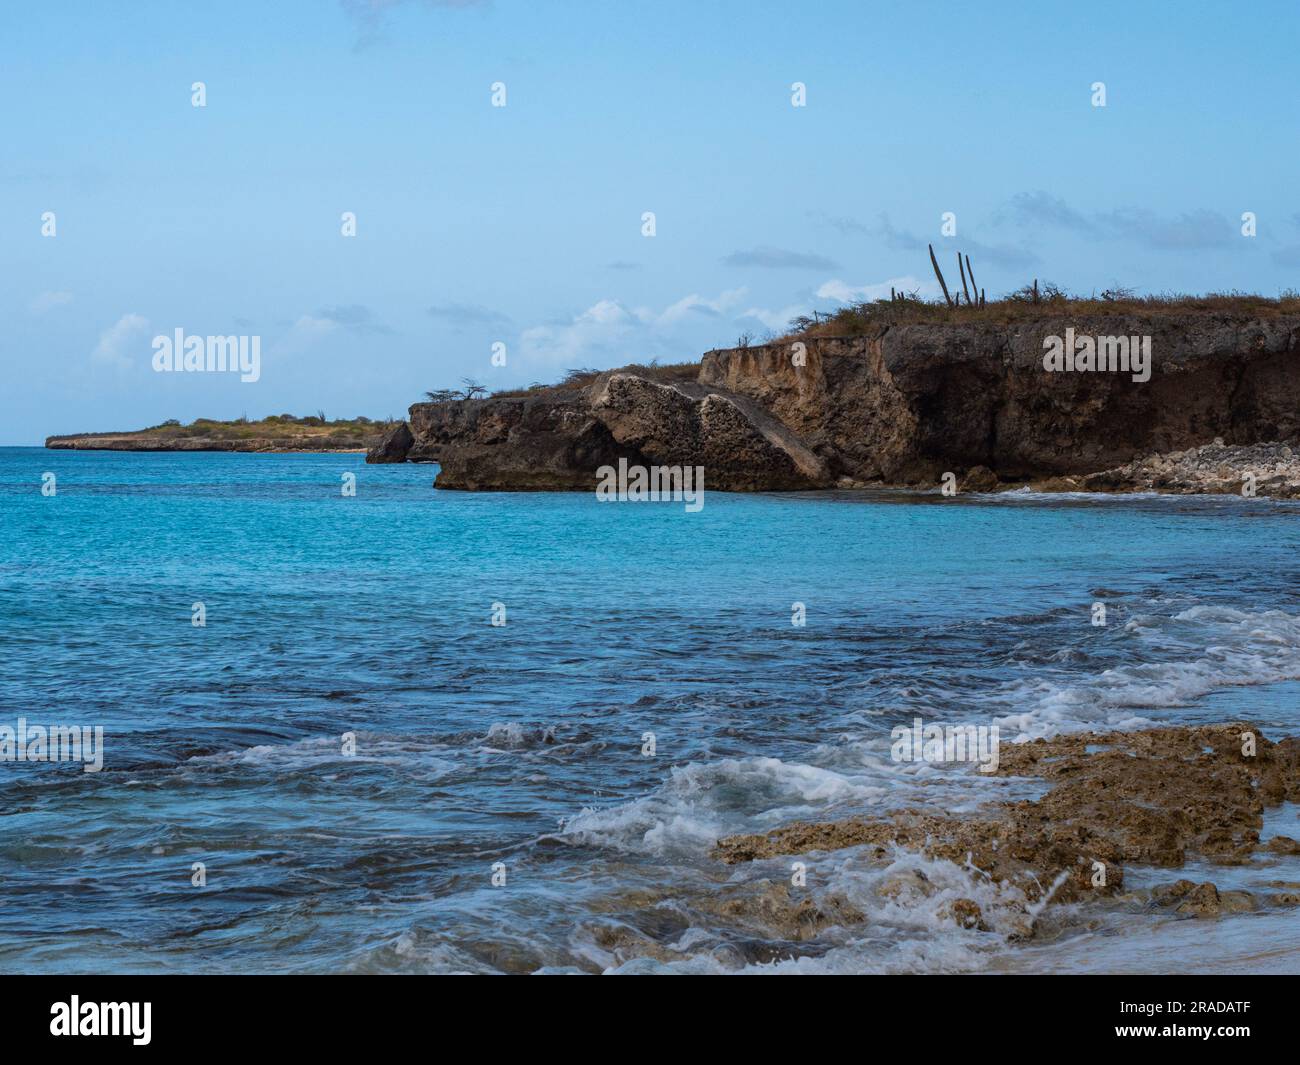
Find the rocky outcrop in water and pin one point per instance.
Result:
(394, 447)
(899, 407)
(559, 441)
(1155, 798)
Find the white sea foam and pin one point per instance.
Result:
(1215, 647)
(321, 752)
(1183, 654)
(701, 801)
(510, 735)
(908, 924)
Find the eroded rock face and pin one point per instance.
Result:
(515, 443)
(394, 446)
(917, 400)
(741, 447)
(841, 402)
(903, 407)
(560, 441)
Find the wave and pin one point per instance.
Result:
(700, 802)
(326, 752)
(905, 920)
(1216, 647)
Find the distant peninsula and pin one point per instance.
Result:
(277, 433)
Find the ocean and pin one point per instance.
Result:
(348, 767)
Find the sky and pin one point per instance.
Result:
(523, 225)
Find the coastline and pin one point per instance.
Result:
(279, 434)
(1211, 470)
(158, 449)
(969, 406)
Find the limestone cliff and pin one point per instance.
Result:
(900, 406)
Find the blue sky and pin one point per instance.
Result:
(522, 225)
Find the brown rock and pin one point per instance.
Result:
(1236, 901)
(1149, 797)
(979, 479)
(394, 446)
(1283, 845)
(1201, 901)
(775, 911)
(1169, 892)
(966, 913)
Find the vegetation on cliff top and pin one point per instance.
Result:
(967, 305)
(574, 380)
(1033, 301)
(1029, 303)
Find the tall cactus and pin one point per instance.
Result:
(939, 274)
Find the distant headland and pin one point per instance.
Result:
(277, 433)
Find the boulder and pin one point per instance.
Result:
(394, 446)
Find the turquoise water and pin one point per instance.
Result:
(522, 744)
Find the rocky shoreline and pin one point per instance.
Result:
(1265, 469)
(1158, 798)
(902, 407)
(1020, 872)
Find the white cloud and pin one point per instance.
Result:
(126, 338)
(844, 293)
(611, 332)
(305, 333)
(777, 321)
(695, 304)
(595, 331)
(47, 301)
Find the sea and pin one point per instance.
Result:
(352, 723)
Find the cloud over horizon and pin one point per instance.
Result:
(356, 317)
(129, 334)
(770, 258)
(463, 315)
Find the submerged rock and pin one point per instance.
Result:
(1283, 845)
(1206, 900)
(966, 914)
(1202, 901)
